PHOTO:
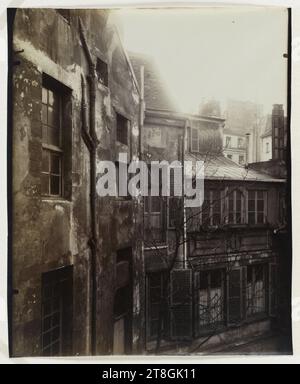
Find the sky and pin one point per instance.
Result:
(233, 53)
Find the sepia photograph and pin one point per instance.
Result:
(149, 181)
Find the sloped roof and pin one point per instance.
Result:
(221, 168)
(155, 90)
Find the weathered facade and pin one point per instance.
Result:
(76, 261)
(211, 272)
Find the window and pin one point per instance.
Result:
(211, 208)
(240, 142)
(241, 159)
(256, 290)
(57, 298)
(51, 142)
(267, 147)
(235, 207)
(156, 302)
(122, 340)
(122, 129)
(228, 142)
(102, 71)
(155, 216)
(65, 13)
(257, 207)
(194, 140)
(210, 302)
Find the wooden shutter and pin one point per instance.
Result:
(234, 302)
(181, 304)
(273, 288)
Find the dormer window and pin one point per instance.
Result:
(102, 71)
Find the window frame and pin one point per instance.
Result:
(194, 140)
(254, 296)
(202, 328)
(211, 203)
(61, 12)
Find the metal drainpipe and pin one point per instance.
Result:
(93, 150)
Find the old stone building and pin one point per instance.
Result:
(211, 272)
(76, 262)
(120, 275)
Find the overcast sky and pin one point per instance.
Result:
(232, 53)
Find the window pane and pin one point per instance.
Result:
(55, 164)
(54, 185)
(45, 161)
(45, 184)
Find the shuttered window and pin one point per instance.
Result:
(256, 290)
(257, 207)
(181, 304)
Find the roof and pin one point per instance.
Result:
(221, 168)
(155, 90)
